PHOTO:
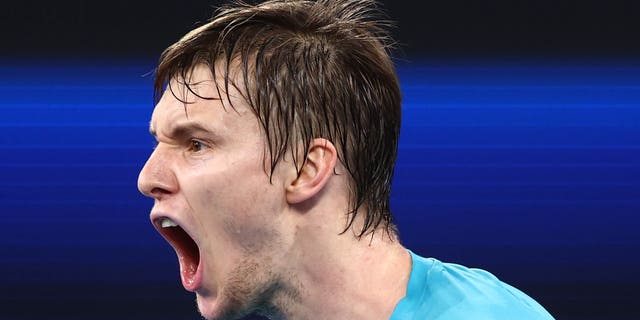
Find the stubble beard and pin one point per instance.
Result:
(251, 288)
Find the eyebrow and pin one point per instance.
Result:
(183, 130)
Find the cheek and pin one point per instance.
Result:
(254, 216)
(237, 204)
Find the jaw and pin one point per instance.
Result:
(251, 286)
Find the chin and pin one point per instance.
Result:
(209, 308)
(215, 308)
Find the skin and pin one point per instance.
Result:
(268, 247)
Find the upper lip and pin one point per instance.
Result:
(157, 217)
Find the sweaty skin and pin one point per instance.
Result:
(273, 247)
(206, 174)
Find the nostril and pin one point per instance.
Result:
(158, 192)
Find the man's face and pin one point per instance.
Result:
(213, 200)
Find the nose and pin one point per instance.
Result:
(156, 179)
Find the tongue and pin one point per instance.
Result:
(188, 270)
(188, 255)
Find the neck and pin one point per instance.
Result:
(340, 276)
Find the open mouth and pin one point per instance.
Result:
(186, 249)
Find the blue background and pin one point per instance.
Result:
(519, 152)
(529, 169)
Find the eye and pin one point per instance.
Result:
(196, 146)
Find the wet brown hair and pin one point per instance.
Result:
(310, 69)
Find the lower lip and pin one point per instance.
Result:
(192, 281)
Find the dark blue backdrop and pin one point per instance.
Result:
(529, 169)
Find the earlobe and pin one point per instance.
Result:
(315, 172)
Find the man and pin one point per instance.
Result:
(277, 134)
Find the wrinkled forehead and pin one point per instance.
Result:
(202, 82)
(197, 82)
(199, 96)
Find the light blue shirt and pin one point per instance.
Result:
(445, 291)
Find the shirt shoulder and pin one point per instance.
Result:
(447, 291)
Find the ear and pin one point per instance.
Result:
(315, 172)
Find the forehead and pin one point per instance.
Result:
(199, 97)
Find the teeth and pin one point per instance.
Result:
(167, 223)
